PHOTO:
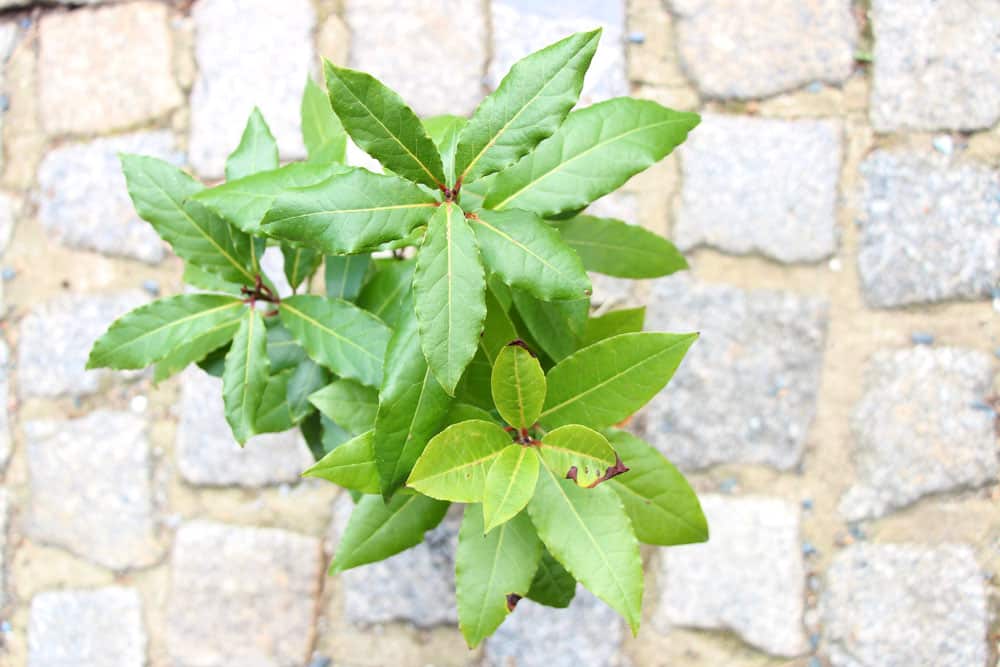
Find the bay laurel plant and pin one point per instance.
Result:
(438, 345)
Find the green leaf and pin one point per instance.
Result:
(578, 453)
(300, 264)
(412, 407)
(306, 380)
(349, 403)
(661, 504)
(258, 151)
(474, 388)
(603, 384)
(322, 132)
(588, 531)
(449, 287)
(378, 530)
(201, 279)
(616, 248)
(529, 105)
(455, 462)
(528, 254)
(388, 294)
(154, 331)
(214, 363)
(351, 212)
(383, 126)
(461, 412)
(498, 329)
(518, 385)
(444, 131)
(595, 151)
(552, 586)
(161, 193)
(283, 351)
(613, 323)
(351, 465)
(246, 375)
(273, 415)
(195, 350)
(510, 483)
(333, 435)
(557, 326)
(490, 568)
(345, 274)
(338, 335)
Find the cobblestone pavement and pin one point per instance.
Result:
(840, 206)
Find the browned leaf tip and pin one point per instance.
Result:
(521, 344)
(512, 600)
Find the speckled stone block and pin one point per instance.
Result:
(588, 633)
(905, 605)
(746, 391)
(106, 68)
(68, 325)
(756, 48)
(242, 596)
(521, 27)
(935, 65)
(249, 52)
(416, 586)
(208, 455)
(611, 292)
(749, 578)
(930, 229)
(754, 185)
(921, 428)
(437, 54)
(83, 202)
(87, 628)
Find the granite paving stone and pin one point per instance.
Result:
(900, 605)
(918, 429)
(755, 48)
(930, 229)
(83, 202)
(747, 390)
(105, 68)
(754, 185)
(242, 596)
(249, 53)
(208, 455)
(749, 578)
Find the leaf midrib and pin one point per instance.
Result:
(349, 211)
(518, 244)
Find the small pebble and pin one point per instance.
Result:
(922, 338)
(8, 273)
(5, 627)
(856, 532)
(943, 144)
(320, 661)
(637, 38)
(728, 485)
(814, 662)
(814, 641)
(982, 406)
(4, 103)
(808, 549)
(807, 504)
(152, 287)
(814, 87)
(814, 583)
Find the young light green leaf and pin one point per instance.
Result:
(661, 504)
(613, 323)
(388, 295)
(510, 483)
(528, 254)
(518, 385)
(588, 531)
(491, 569)
(196, 349)
(556, 326)
(578, 453)
(344, 275)
(552, 586)
(350, 404)
(596, 150)
(616, 248)
(154, 331)
(529, 105)
(351, 212)
(455, 462)
(603, 384)
(246, 375)
(350, 465)
(378, 530)
(258, 151)
(498, 329)
(299, 264)
(161, 193)
(308, 378)
(383, 126)
(273, 415)
(444, 131)
(322, 132)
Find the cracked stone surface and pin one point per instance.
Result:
(754, 185)
(416, 586)
(748, 578)
(890, 605)
(87, 628)
(242, 596)
(756, 48)
(447, 38)
(249, 52)
(746, 391)
(68, 324)
(106, 68)
(930, 229)
(208, 455)
(920, 428)
(83, 202)
(935, 65)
